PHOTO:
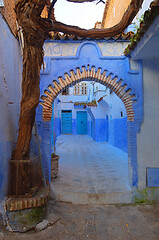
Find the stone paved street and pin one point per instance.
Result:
(89, 170)
(109, 222)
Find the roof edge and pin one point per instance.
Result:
(120, 37)
(148, 19)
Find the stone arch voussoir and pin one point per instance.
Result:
(87, 73)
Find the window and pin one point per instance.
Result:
(84, 89)
(80, 89)
(77, 89)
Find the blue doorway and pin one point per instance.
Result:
(81, 123)
(66, 122)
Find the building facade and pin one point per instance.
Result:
(90, 108)
(114, 11)
(144, 48)
(102, 62)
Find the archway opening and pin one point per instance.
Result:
(90, 108)
(91, 140)
(109, 82)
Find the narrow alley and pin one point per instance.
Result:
(90, 172)
(79, 121)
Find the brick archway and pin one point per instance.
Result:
(88, 74)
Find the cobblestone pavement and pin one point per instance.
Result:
(88, 168)
(109, 222)
(84, 164)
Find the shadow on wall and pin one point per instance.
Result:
(118, 133)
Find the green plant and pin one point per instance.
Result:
(138, 22)
(35, 215)
(145, 196)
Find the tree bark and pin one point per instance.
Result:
(30, 98)
(35, 32)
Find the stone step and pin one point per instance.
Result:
(90, 198)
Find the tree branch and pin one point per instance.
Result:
(51, 7)
(98, 33)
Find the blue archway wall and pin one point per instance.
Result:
(89, 53)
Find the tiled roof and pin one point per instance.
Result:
(148, 19)
(119, 37)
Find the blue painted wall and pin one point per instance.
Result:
(89, 128)
(74, 126)
(107, 128)
(100, 131)
(91, 123)
(52, 131)
(46, 149)
(57, 126)
(118, 133)
(45, 138)
(132, 152)
(107, 56)
(10, 81)
(148, 137)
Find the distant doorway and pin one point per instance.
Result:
(66, 122)
(81, 122)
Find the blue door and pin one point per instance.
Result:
(81, 122)
(66, 122)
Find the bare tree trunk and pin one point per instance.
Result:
(33, 58)
(35, 32)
